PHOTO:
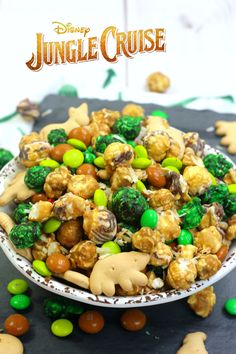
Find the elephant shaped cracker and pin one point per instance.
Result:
(228, 129)
(77, 117)
(193, 343)
(16, 189)
(124, 269)
(7, 224)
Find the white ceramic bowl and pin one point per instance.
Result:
(85, 296)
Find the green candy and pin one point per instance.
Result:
(89, 157)
(99, 162)
(185, 238)
(21, 212)
(41, 268)
(141, 163)
(218, 165)
(49, 163)
(35, 177)
(230, 205)
(17, 286)
(51, 225)
(160, 114)
(73, 158)
(140, 186)
(62, 328)
(128, 205)
(111, 247)
(68, 90)
(100, 198)
(232, 188)
(172, 161)
(215, 194)
(129, 127)
(172, 168)
(191, 213)
(149, 219)
(20, 302)
(131, 143)
(5, 157)
(230, 306)
(25, 234)
(102, 141)
(57, 136)
(140, 151)
(78, 144)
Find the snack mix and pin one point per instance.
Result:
(122, 204)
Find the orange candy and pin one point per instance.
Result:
(156, 176)
(58, 263)
(91, 322)
(222, 253)
(87, 169)
(58, 151)
(133, 320)
(16, 325)
(82, 134)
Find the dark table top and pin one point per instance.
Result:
(168, 323)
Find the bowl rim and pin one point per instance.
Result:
(69, 291)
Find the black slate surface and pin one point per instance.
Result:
(168, 323)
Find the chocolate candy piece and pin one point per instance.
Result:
(25, 234)
(102, 141)
(16, 324)
(81, 133)
(133, 320)
(91, 322)
(215, 194)
(191, 213)
(128, 205)
(70, 233)
(58, 151)
(217, 165)
(129, 127)
(58, 263)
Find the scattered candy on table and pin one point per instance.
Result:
(16, 325)
(91, 322)
(133, 320)
(20, 302)
(17, 286)
(230, 306)
(62, 327)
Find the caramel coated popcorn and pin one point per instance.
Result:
(56, 182)
(83, 185)
(33, 150)
(123, 177)
(46, 246)
(157, 144)
(191, 159)
(83, 255)
(158, 82)
(118, 155)
(209, 239)
(133, 110)
(168, 225)
(162, 199)
(231, 231)
(161, 255)
(203, 302)
(187, 251)
(145, 239)
(41, 211)
(69, 207)
(181, 273)
(198, 179)
(207, 266)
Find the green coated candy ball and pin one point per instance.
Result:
(51, 225)
(17, 286)
(230, 306)
(128, 205)
(172, 161)
(131, 143)
(191, 213)
(41, 268)
(20, 302)
(129, 127)
(215, 194)
(77, 144)
(102, 141)
(89, 157)
(35, 177)
(230, 205)
(149, 218)
(68, 90)
(5, 157)
(185, 238)
(25, 234)
(160, 114)
(218, 165)
(57, 136)
(73, 158)
(62, 328)
(111, 247)
(21, 212)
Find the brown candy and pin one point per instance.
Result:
(82, 134)
(87, 169)
(58, 151)
(133, 320)
(70, 233)
(58, 263)
(16, 324)
(37, 197)
(91, 322)
(156, 176)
